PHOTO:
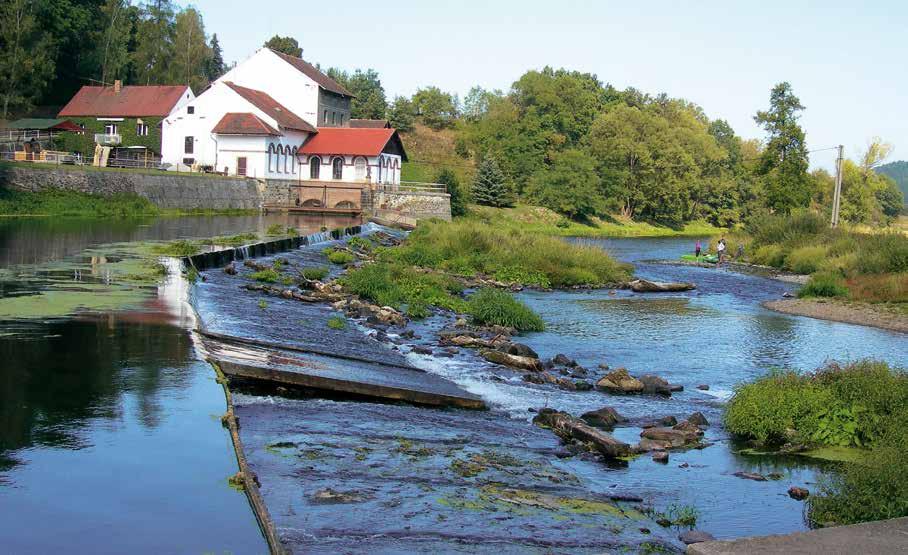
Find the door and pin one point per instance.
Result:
(241, 165)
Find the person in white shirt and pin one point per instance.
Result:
(720, 250)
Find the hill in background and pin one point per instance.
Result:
(899, 172)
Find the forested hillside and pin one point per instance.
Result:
(899, 172)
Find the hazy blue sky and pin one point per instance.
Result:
(847, 61)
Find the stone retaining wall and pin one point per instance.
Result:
(166, 190)
(419, 205)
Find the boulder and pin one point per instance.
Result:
(646, 286)
(572, 429)
(513, 361)
(697, 419)
(519, 349)
(605, 418)
(534, 377)
(578, 372)
(583, 385)
(695, 536)
(566, 384)
(682, 435)
(619, 381)
(703, 387)
(230, 269)
(654, 385)
(665, 422)
(798, 493)
(422, 350)
(660, 457)
(563, 360)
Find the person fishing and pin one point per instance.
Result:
(720, 250)
(697, 248)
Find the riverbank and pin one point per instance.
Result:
(537, 219)
(862, 314)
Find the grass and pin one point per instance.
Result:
(341, 258)
(71, 203)
(471, 247)
(865, 405)
(180, 247)
(317, 273)
(542, 220)
(497, 307)
(401, 287)
(842, 262)
(266, 276)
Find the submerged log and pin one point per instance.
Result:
(646, 286)
(513, 361)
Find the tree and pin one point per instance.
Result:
(570, 186)
(368, 95)
(215, 66)
(154, 43)
(113, 46)
(25, 66)
(784, 163)
(490, 187)
(435, 108)
(476, 103)
(401, 114)
(448, 178)
(286, 45)
(191, 52)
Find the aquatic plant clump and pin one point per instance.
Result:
(396, 285)
(469, 247)
(317, 273)
(497, 307)
(340, 257)
(337, 323)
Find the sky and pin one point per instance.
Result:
(846, 61)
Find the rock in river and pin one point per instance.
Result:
(654, 385)
(751, 476)
(619, 381)
(605, 418)
(695, 536)
(514, 361)
(646, 286)
(519, 349)
(697, 419)
(569, 429)
(684, 434)
(798, 493)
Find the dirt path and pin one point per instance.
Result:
(860, 314)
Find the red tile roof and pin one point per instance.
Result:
(274, 109)
(352, 141)
(130, 102)
(313, 73)
(243, 123)
(370, 123)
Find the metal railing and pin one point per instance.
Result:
(413, 187)
(25, 135)
(106, 139)
(43, 157)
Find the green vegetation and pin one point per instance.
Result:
(179, 248)
(360, 243)
(497, 307)
(397, 286)
(898, 171)
(315, 273)
(72, 203)
(449, 179)
(337, 322)
(471, 247)
(266, 276)
(869, 267)
(863, 405)
(490, 187)
(340, 258)
(263, 304)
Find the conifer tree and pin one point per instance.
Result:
(215, 66)
(491, 187)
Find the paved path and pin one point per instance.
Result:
(881, 537)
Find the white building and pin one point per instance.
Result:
(277, 117)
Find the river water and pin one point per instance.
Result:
(110, 439)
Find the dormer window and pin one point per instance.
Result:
(190, 109)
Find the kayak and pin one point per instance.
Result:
(707, 258)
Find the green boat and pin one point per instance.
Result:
(705, 258)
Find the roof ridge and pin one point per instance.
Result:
(322, 79)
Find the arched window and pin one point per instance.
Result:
(287, 160)
(272, 155)
(359, 165)
(279, 166)
(337, 168)
(387, 171)
(315, 166)
(293, 160)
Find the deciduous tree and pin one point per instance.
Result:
(154, 43)
(287, 45)
(191, 52)
(25, 65)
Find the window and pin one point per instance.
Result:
(190, 109)
(287, 160)
(187, 144)
(188, 161)
(112, 129)
(341, 120)
(337, 168)
(325, 117)
(333, 118)
(141, 129)
(359, 166)
(315, 165)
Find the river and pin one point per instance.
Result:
(110, 439)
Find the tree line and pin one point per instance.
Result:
(50, 48)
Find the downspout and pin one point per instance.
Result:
(215, 151)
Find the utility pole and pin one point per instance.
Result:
(837, 195)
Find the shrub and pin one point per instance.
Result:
(360, 243)
(266, 276)
(315, 273)
(337, 322)
(879, 288)
(874, 489)
(340, 257)
(883, 253)
(805, 260)
(770, 255)
(824, 284)
(496, 307)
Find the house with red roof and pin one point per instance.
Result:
(277, 117)
(121, 116)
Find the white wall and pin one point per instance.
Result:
(349, 168)
(253, 148)
(268, 72)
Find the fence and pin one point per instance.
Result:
(414, 187)
(25, 135)
(44, 156)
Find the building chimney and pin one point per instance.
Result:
(117, 86)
